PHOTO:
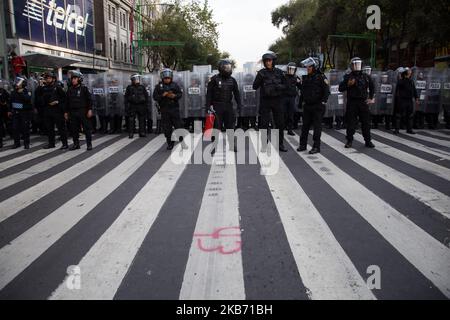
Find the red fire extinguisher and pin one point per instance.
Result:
(209, 124)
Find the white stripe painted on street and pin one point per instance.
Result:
(22, 251)
(214, 275)
(107, 262)
(413, 144)
(410, 159)
(433, 140)
(435, 133)
(27, 157)
(326, 270)
(14, 204)
(45, 165)
(428, 255)
(7, 151)
(425, 194)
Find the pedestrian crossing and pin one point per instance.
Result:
(118, 215)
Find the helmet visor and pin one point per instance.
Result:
(357, 65)
(309, 62)
(291, 70)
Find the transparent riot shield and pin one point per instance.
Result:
(384, 90)
(435, 80)
(445, 93)
(420, 77)
(194, 95)
(375, 107)
(249, 97)
(149, 84)
(114, 94)
(96, 84)
(336, 101)
(179, 77)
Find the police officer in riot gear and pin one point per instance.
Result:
(21, 111)
(360, 91)
(136, 100)
(167, 94)
(406, 96)
(221, 90)
(292, 86)
(272, 82)
(52, 98)
(4, 107)
(315, 92)
(79, 110)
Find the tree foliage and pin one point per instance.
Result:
(306, 25)
(189, 22)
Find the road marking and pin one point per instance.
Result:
(214, 270)
(435, 133)
(14, 204)
(9, 152)
(22, 251)
(410, 159)
(413, 144)
(425, 194)
(428, 255)
(45, 165)
(324, 267)
(107, 262)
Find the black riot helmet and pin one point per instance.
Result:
(20, 83)
(49, 74)
(225, 68)
(310, 62)
(166, 73)
(77, 74)
(269, 56)
(135, 78)
(356, 64)
(291, 68)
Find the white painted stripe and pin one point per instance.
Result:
(326, 270)
(435, 133)
(214, 275)
(428, 255)
(45, 165)
(22, 251)
(433, 140)
(27, 157)
(107, 262)
(12, 205)
(413, 144)
(410, 159)
(425, 194)
(6, 151)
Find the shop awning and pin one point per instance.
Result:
(37, 59)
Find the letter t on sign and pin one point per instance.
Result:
(374, 18)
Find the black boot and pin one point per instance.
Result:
(302, 148)
(50, 146)
(282, 148)
(89, 146)
(76, 146)
(349, 144)
(370, 145)
(314, 151)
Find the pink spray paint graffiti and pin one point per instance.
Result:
(217, 235)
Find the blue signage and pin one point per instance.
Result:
(62, 23)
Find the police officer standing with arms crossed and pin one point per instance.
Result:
(221, 90)
(136, 101)
(360, 92)
(272, 82)
(53, 98)
(21, 111)
(315, 92)
(79, 110)
(167, 94)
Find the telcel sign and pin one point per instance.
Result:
(65, 19)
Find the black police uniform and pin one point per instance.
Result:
(4, 106)
(169, 108)
(136, 102)
(79, 102)
(22, 113)
(315, 92)
(404, 108)
(357, 106)
(292, 84)
(54, 114)
(273, 85)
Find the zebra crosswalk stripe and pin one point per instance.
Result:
(428, 255)
(107, 262)
(22, 251)
(216, 274)
(429, 196)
